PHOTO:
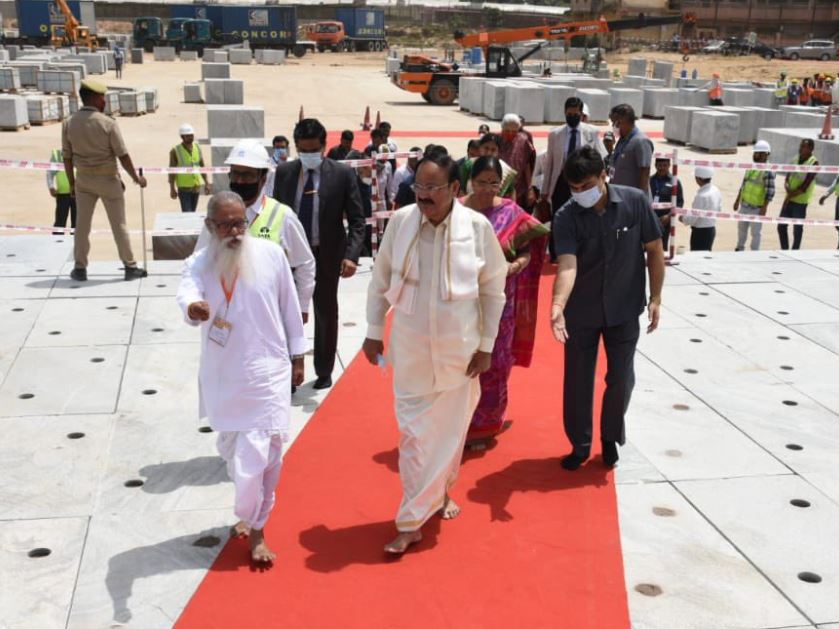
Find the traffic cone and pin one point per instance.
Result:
(301, 113)
(378, 118)
(365, 125)
(827, 129)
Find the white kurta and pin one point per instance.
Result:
(246, 385)
(430, 350)
(708, 198)
(296, 247)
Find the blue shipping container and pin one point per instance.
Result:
(362, 23)
(188, 11)
(261, 25)
(36, 16)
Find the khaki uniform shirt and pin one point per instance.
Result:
(93, 141)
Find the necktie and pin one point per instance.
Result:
(572, 143)
(307, 205)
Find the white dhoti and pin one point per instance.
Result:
(254, 459)
(433, 433)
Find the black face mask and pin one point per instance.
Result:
(247, 191)
(573, 120)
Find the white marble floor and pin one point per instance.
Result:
(728, 489)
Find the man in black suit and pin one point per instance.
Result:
(322, 192)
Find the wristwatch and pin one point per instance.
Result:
(297, 357)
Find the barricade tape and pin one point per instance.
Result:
(755, 218)
(780, 168)
(186, 170)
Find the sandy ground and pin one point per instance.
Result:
(336, 89)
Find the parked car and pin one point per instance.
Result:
(823, 49)
(741, 46)
(713, 47)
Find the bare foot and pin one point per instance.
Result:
(402, 542)
(260, 553)
(240, 530)
(450, 509)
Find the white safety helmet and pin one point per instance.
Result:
(186, 129)
(249, 153)
(704, 172)
(762, 146)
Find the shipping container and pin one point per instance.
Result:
(260, 25)
(36, 17)
(362, 23)
(188, 11)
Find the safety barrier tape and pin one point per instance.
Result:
(780, 168)
(755, 218)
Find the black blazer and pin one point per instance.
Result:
(338, 196)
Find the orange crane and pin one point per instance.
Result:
(438, 82)
(73, 32)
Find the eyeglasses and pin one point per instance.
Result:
(486, 185)
(417, 187)
(227, 226)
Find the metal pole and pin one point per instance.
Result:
(143, 219)
(671, 258)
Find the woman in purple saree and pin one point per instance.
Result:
(523, 240)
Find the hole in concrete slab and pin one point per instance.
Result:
(208, 541)
(648, 589)
(97, 359)
(773, 257)
(783, 312)
(780, 292)
(205, 429)
(75, 435)
(664, 512)
(10, 255)
(704, 294)
(40, 270)
(349, 324)
(681, 407)
(157, 329)
(149, 391)
(794, 446)
(59, 241)
(37, 553)
(111, 307)
(708, 257)
(776, 273)
(76, 286)
(674, 453)
(691, 371)
(701, 315)
(134, 482)
(160, 285)
(26, 396)
(55, 332)
(17, 309)
(790, 403)
(696, 340)
(787, 367)
(809, 577)
(169, 229)
(783, 338)
(798, 502)
(706, 274)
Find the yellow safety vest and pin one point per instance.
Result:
(187, 160)
(754, 188)
(62, 183)
(781, 88)
(269, 222)
(796, 179)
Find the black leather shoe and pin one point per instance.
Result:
(572, 461)
(134, 273)
(610, 453)
(80, 275)
(323, 382)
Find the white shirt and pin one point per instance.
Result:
(296, 248)
(707, 198)
(301, 184)
(539, 170)
(431, 348)
(402, 174)
(246, 385)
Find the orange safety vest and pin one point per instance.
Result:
(715, 93)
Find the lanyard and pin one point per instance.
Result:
(228, 294)
(621, 146)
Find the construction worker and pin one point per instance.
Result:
(714, 87)
(794, 93)
(119, 61)
(799, 191)
(187, 187)
(59, 187)
(754, 197)
(92, 144)
(781, 88)
(268, 218)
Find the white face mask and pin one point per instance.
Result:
(311, 161)
(588, 198)
(367, 181)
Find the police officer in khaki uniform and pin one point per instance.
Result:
(92, 144)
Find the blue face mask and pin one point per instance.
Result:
(280, 155)
(311, 161)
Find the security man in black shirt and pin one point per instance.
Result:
(601, 235)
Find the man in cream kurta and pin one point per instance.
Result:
(240, 290)
(442, 270)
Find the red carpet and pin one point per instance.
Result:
(534, 547)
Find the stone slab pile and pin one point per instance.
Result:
(192, 92)
(42, 109)
(677, 123)
(152, 99)
(599, 103)
(240, 56)
(224, 92)
(112, 102)
(64, 108)
(136, 55)
(95, 61)
(13, 111)
(164, 53)
(27, 72)
(132, 103)
(527, 100)
(13, 50)
(68, 66)
(657, 99)
(9, 79)
(715, 131)
(58, 82)
(214, 70)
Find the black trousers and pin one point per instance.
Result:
(578, 396)
(836, 214)
(65, 206)
(792, 210)
(560, 196)
(702, 238)
(325, 301)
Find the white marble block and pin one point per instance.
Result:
(192, 92)
(189, 55)
(663, 71)
(527, 100)
(269, 57)
(494, 99)
(132, 103)
(112, 102)
(110, 60)
(803, 120)
(235, 121)
(42, 108)
(224, 92)
(9, 79)
(240, 56)
(470, 94)
(215, 70)
(637, 67)
(215, 55)
(599, 103)
(28, 72)
(768, 118)
(555, 97)
(392, 66)
(58, 81)
(633, 81)
(765, 97)
(152, 98)
(74, 103)
(95, 62)
(4, 55)
(64, 110)
(137, 55)
(715, 130)
(628, 96)
(13, 111)
(738, 97)
(164, 53)
(677, 123)
(657, 99)
(691, 97)
(748, 123)
(69, 66)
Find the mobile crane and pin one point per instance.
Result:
(72, 32)
(438, 82)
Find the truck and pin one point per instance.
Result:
(180, 33)
(39, 21)
(354, 28)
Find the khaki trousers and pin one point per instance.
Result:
(89, 189)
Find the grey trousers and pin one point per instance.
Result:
(743, 228)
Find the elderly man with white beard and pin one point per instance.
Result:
(240, 290)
